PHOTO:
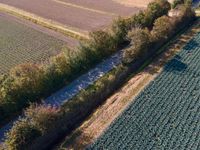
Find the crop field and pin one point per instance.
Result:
(81, 16)
(165, 115)
(20, 44)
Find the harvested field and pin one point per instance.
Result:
(20, 43)
(82, 16)
(107, 6)
(134, 3)
(166, 114)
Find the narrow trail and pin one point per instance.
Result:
(66, 93)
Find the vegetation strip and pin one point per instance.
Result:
(165, 114)
(38, 133)
(31, 82)
(62, 96)
(84, 8)
(99, 121)
(69, 31)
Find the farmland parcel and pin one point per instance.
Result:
(166, 114)
(21, 44)
(77, 15)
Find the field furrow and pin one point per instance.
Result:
(165, 115)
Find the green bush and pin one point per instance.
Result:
(176, 3)
(29, 82)
(21, 134)
(147, 17)
(102, 43)
(44, 120)
(162, 29)
(38, 120)
(140, 41)
(120, 28)
(43, 117)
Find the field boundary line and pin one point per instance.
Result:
(84, 8)
(95, 125)
(56, 26)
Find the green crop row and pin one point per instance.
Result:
(165, 115)
(39, 134)
(30, 82)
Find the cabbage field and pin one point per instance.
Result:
(20, 43)
(166, 114)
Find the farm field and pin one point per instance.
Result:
(81, 16)
(20, 43)
(165, 115)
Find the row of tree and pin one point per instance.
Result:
(28, 83)
(142, 33)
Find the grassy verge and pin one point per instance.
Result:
(76, 141)
(66, 30)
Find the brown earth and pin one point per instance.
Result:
(97, 123)
(134, 3)
(70, 15)
(109, 6)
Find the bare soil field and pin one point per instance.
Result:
(134, 3)
(21, 43)
(109, 6)
(78, 14)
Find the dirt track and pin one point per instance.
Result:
(70, 15)
(96, 124)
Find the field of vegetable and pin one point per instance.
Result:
(165, 115)
(20, 43)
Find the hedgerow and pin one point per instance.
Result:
(30, 82)
(79, 107)
(144, 41)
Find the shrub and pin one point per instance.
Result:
(154, 10)
(43, 117)
(140, 42)
(162, 29)
(176, 3)
(44, 120)
(21, 134)
(102, 43)
(120, 28)
(38, 120)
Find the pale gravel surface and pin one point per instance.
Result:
(76, 86)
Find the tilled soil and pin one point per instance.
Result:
(69, 15)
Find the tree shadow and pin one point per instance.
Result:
(190, 46)
(175, 65)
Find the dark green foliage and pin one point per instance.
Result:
(21, 134)
(102, 43)
(143, 42)
(140, 40)
(165, 115)
(147, 17)
(162, 29)
(29, 82)
(177, 2)
(38, 120)
(156, 9)
(120, 28)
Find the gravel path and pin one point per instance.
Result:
(76, 86)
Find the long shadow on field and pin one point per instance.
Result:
(192, 44)
(175, 65)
